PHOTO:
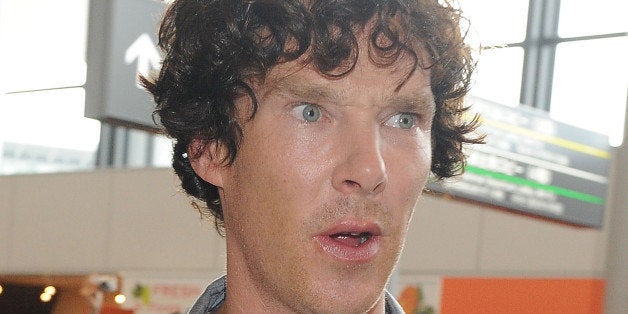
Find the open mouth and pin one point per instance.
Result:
(352, 238)
(352, 242)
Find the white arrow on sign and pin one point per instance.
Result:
(146, 53)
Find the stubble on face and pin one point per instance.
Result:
(278, 198)
(290, 265)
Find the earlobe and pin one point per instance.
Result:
(207, 160)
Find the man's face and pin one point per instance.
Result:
(318, 200)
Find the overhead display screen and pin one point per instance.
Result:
(534, 164)
(122, 44)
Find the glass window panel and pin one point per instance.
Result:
(137, 148)
(581, 18)
(498, 75)
(45, 41)
(46, 131)
(497, 21)
(162, 151)
(590, 82)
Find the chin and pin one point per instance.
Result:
(347, 296)
(353, 304)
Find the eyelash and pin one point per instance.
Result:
(298, 111)
(397, 118)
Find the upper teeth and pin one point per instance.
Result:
(362, 236)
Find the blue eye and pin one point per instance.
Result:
(309, 112)
(401, 120)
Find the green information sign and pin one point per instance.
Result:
(536, 165)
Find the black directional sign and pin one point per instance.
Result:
(534, 164)
(121, 44)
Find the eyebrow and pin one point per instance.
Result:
(312, 91)
(413, 101)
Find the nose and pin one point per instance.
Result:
(362, 169)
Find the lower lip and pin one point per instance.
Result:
(347, 253)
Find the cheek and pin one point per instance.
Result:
(300, 156)
(277, 169)
(408, 169)
(423, 154)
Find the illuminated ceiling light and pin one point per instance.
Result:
(51, 290)
(44, 297)
(0, 289)
(120, 298)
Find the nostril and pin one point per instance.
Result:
(352, 184)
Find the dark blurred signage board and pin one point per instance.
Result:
(121, 43)
(536, 165)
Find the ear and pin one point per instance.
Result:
(207, 160)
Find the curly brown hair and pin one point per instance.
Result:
(214, 47)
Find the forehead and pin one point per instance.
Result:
(404, 76)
